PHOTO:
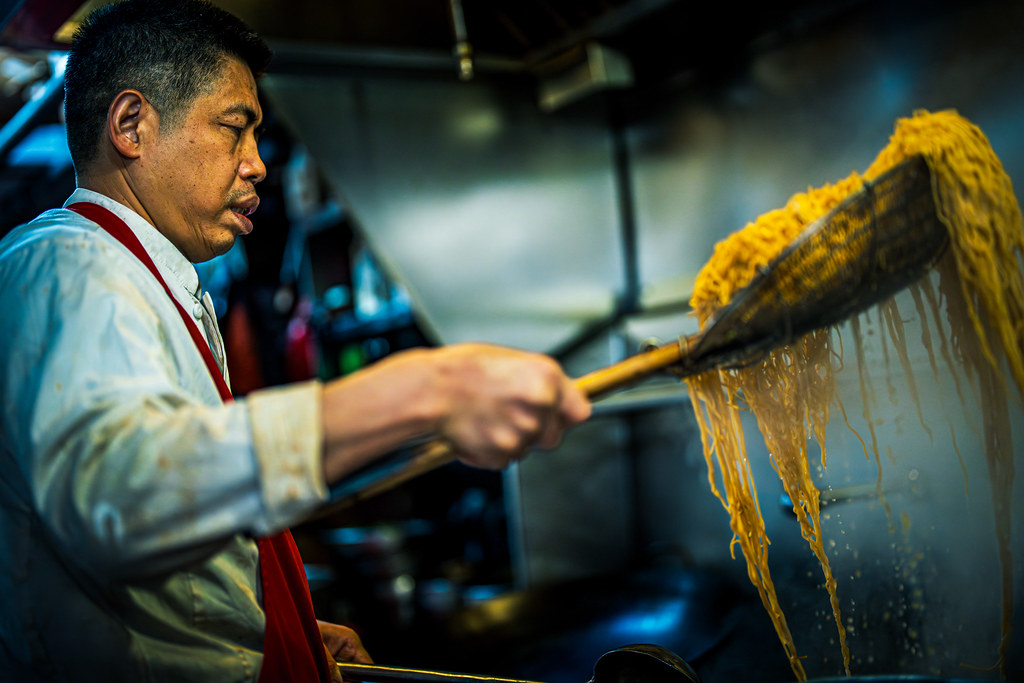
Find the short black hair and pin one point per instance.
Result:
(169, 50)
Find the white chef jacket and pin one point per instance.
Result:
(128, 491)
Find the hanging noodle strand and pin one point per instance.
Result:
(789, 392)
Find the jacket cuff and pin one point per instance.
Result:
(287, 441)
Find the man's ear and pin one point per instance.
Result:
(128, 120)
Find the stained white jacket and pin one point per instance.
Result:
(128, 491)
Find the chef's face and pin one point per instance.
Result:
(204, 170)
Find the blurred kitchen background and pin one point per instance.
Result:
(551, 175)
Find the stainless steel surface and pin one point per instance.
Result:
(501, 222)
(920, 587)
(593, 68)
(377, 673)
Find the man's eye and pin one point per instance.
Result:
(237, 130)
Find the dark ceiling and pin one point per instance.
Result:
(658, 37)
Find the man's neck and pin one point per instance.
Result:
(114, 186)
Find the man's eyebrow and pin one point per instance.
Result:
(250, 114)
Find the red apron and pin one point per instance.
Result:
(293, 650)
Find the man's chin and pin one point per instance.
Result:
(214, 249)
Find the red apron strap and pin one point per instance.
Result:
(110, 222)
(293, 651)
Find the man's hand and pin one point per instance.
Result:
(342, 645)
(500, 402)
(491, 404)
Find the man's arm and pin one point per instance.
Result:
(491, 403)
(136, 473)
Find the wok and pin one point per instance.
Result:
(641, 663)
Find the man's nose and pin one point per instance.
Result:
(252, 167)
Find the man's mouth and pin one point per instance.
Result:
(243, 209)
(246, 207)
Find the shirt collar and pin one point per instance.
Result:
(159, 248)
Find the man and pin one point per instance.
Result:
(141, 509)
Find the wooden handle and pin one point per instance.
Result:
(628, 372)
(436, 453)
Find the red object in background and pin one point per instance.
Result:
(32, 25)
(300, 354)
(243, 351)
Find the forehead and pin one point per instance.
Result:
(232, 92)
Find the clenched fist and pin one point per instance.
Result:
(491, 403)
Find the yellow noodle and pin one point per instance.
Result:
(926, 342)
(789, 392)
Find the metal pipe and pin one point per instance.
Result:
(22, 123)
(463, 50)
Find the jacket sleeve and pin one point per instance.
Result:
(129, 455)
